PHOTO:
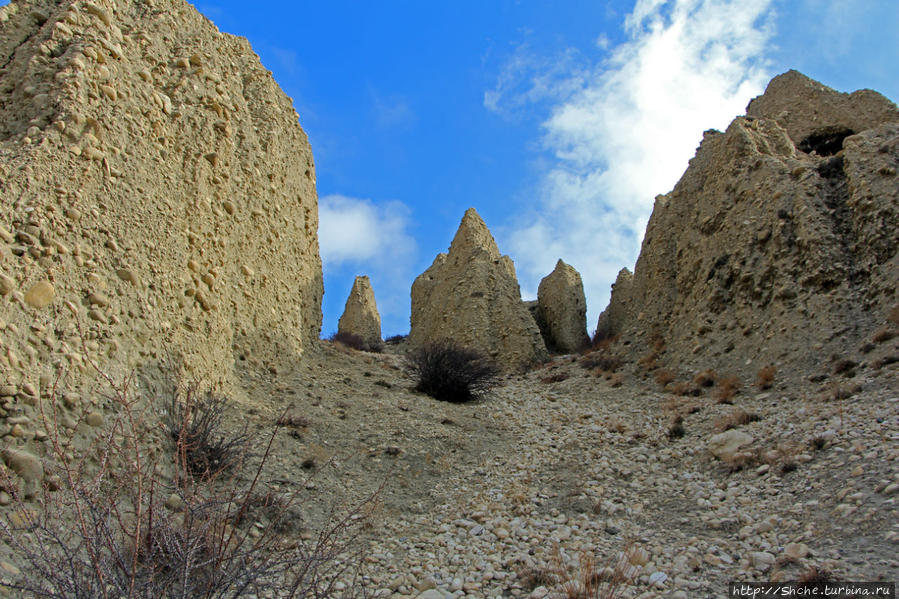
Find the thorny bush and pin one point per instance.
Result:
(449, 372)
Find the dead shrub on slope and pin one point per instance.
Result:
(123, 519)
(449, 372)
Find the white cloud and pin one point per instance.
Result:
(528, 78)
(626, 134)
(358, 236)
(358, 230)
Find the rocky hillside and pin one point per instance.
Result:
(779, 244)
(158, 197)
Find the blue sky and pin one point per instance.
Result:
(558, 121)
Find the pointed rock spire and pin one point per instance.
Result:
(471, 296)
(360, 315)
(562, 310)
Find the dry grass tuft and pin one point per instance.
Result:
(555, 378)
(663, 377)
(706, 378)
(738, 417)
(727, 388)
(676, 430)
(884, 334)
(765, 377)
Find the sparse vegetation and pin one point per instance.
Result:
(844, 366)
(122, 521)
(663, 377)
(356, 342)
(395, 339)
(649, 361)
(291, 419)
(765, 377)
(734, 419)
(448, 372)
(195, 425)
(727, 388)
(684, 388)
(555, 378)
(676, 430)
(706, 378)
(884, 334)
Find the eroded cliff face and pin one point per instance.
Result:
(471, 296)
(779, 244)
(158, 197)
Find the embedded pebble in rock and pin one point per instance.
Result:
(27, 465)
(40, 295)
(7, 284)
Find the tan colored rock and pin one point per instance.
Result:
(471, 296)
(27, 465)
(562, 310)
(40, 295)
(802, 106)
(129, 162)
(724, 445)
(767, 252)
(360, 314)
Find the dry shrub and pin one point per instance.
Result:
(195, 424)
(589, 581)
(727, 388)
(684, 388)
(736, 418)
(600, 343)
(293, 420)
(884, 334)
(663, 377)
(395, 339)
(449, 372)
(555, 378)
(742, 460)
(893, 315)
(706, 378)
(765, 377)
(356, 342)
(114, 525)
(676, 430)
(600, 361)
(844, 366)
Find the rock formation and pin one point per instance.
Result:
(360, 315)
(562, 310)
(471, 296)
(158, 197)
(779, 243)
